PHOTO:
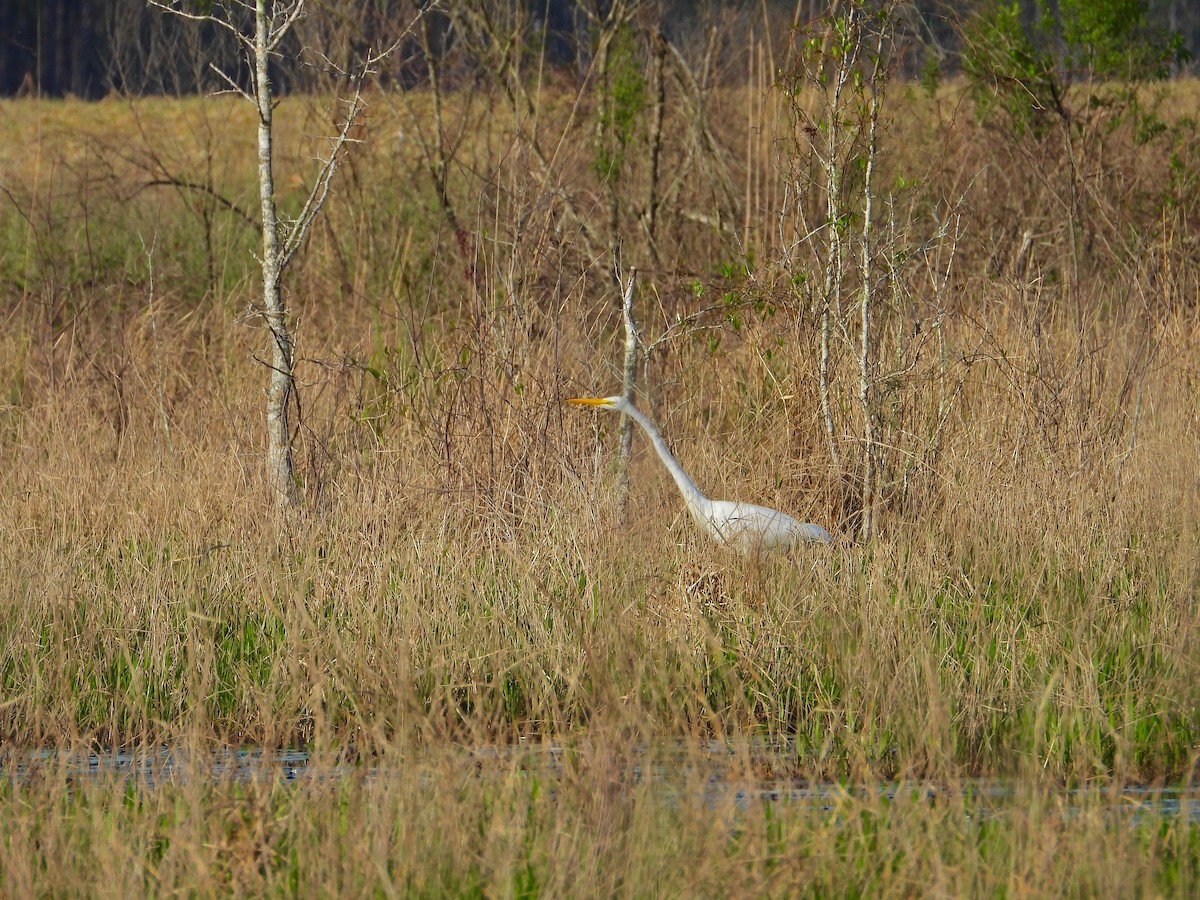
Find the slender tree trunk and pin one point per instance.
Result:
(831, 299)
(273, 19)
(280, 466)
(629, 383)
(866, 375)
(438, 163)
(656, 132)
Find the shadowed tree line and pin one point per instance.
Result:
(90, 48)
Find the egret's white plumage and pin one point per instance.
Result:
(747, 527)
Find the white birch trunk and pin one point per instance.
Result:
(629, 383)
(865, 354)
(272, 21)
(280, 466)
(831, 300)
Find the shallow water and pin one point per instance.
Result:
(151, 768)
(677, 773)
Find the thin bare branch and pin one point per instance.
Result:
(205, 189)
(320, 189)
(174, 9)
(290, 16)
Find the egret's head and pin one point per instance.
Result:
(617, 402)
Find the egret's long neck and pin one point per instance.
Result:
(695, 500)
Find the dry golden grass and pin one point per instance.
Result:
(457, 578)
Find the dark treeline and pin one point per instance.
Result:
(54, 47)
(91, 48)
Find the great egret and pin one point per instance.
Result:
(747, 527)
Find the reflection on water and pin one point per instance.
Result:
(674, 772)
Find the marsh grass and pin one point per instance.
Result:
(604, 821)
(456, 578)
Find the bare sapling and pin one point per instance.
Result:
(633, 345)
(866, 352)
(831, 300)
(833, 246)
(282, 236)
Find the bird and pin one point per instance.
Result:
(746, 527)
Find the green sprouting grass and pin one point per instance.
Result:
(1027, 670)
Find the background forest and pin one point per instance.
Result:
(89, 48)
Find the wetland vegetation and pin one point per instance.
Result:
(462, 575)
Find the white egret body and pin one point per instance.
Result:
(746, 527)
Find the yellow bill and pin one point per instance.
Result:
(589, 401)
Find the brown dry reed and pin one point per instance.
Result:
(456, 577)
